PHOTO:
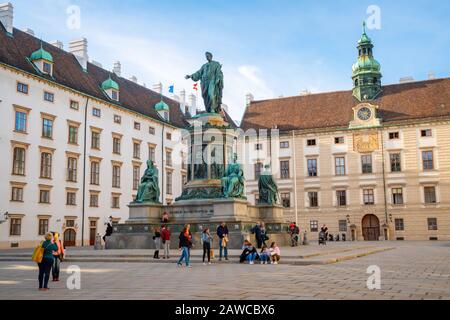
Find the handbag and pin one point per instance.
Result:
(38, 253)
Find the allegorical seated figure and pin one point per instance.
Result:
(268, 189)
(148, 190)
(233, 181)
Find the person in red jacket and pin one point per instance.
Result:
(165, 236)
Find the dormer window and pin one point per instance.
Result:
(166, 116)
(43, 61)
(111, 88)
(163, 110)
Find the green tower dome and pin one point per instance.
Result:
(366, 72)
(161, 106)
(41, 54)
(110, 84)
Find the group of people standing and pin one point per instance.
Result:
(53, 254)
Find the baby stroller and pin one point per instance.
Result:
(322, 238)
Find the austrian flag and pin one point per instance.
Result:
(196, 86)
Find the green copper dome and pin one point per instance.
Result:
(110, 84)
(366, 64)
(41, 54)
(161, 106)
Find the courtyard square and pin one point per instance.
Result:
(409, 270)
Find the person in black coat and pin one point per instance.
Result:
(257, 231)
(108, 232)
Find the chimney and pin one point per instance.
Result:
(183, 107)
(305, 92)
(431, 75)
(249, 99)
(133, 79)
(29, 31)
(7, 16)
(193, 104)
(57, 43)
(117, 69)
(79, 49)
(157, 87)
(406, 79)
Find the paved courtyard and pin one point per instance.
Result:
(409, 270)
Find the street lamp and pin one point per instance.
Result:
(5, 217)
(348, 218)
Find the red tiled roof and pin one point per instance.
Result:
(67, 72)
(407, 101)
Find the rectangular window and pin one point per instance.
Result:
(47, 67)
(286, 199)
(46, 165)
(427, 160)
(70, 223)
(169, 158)
(72, 169)
(136, 177)
(258, 170)
(44, 196)
(168, 136)
(311, 142)
(341, 198)
(136, 150)
(258, 146)
(394, 135)
(399, 225)
(96, 112)
(15, 227)
(137, 126)
(22, 87)
(16, 194)
(95, 173)
(19, 161)
(116, 145)
(340, 166)
(47, 128)
(21, 122)
(75, 105)
(151, 130)
(95, 140)
(432, 224)
(396, 162)
(115, 202)
(339, 140)
(117, 119)
(368, 197)
(71, 199)
(397, 195)
(313, 199)
(284, 144)
(151, 153)
(43, 227)
(114, 95)
(342, 225)
(430, 194)
(116, 177)
(314, 225)
(169, 182)
(366, 162)
(284, 166)
(50, 97)
(73, 135)
(426, 133)
(312, 167)
(93, 200)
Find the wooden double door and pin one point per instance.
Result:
(371, 228)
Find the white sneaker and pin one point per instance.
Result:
(209, 262)
(204, 263)
(275, 262)
(262, 262)
(251, 262)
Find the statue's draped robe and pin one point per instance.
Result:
(211, 77)
(148, 190)
(268, 190)
(233, 182)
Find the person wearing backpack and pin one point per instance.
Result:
(58, 256)
(45, 266)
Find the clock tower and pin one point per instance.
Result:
(366, 71)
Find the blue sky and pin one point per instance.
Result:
(267, 47)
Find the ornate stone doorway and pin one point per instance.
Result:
(70, 237)
(371, 228)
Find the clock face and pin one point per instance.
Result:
(364, 114)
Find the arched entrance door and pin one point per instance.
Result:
(70, 237)
(371, 228)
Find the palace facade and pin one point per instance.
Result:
(371, 163)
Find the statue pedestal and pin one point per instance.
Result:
(146, 213)
(271, 213)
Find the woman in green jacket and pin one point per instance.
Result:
(47, 262)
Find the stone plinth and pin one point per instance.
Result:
(271, 213)
(144, 213)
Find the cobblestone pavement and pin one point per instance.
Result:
(410, 271)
